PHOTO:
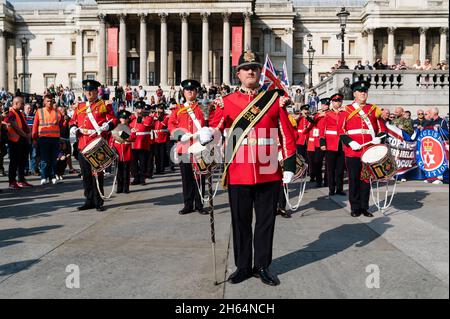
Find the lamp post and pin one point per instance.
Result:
(24, 47)
(311, 58)
(343, 16)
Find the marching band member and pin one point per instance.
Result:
(251, 115)
(91, 119)
(302, 136)
(184, 121)
(330, 143)
(358, 125)
(124, 152)
(141, 125)
(161, 121)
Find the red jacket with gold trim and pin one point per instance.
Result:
(143, 130)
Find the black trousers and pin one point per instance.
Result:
(191, 195)
(160, 150)
(139, 165)
(335, 170)
(359, 191)
(282, 198)
(151, 161)
(264, 198)
(18, 154)
(89, 184)
(123, 176)
(315, 162)
(301, 149)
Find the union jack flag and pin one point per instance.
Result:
(269, 78)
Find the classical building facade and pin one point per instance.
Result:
(163, 42)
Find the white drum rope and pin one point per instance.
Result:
(114, 182)
(300, 195)
(386, 203)
(198, 182)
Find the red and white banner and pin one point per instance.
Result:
(113, 50)
(236, 45)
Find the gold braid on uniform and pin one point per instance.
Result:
(185, 108)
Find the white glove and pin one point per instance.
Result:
(205, 135)
(376, 140)
(73, 131)
(355, 146)
(287, 177)
(104, 127)
(185, 137)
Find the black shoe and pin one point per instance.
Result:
(185, 210)
(355, 213)
(239, 276)
(286, 215)
(135, 182)
(342, 193)
(100, 208)
(318, 185)
(203, 211)
(366, 213)
(119, 191)
(126, 191)
(265, 276)
(85, 207)
(331, 193)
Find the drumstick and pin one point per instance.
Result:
(371, 142)
(102, 124)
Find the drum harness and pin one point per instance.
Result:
(115, 162)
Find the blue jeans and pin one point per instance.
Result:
(48, 148)
(31, 161)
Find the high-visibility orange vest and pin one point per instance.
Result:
(48, 123)
(12, 134)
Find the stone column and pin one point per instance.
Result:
(143, 74)
(247, 31)
(79, 57)
(205, 48)
(226, 48)
(102, 49)
(122, 50)
(391, 50)
(443, 45)
(184, 45)
(289, 40)
(369, 53)
(266, 32)
(423, 44)
(163, 66)
(3, 82)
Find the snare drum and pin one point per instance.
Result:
(99, 154)
(378, 163)
(300, 168)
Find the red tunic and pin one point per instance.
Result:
(161, 130)
(180, 120)
(102, 113)
(302, 135)
(123, 149)
(352, 127)
(329, 131)
(313, 131)
(144, 133)
(254, 164)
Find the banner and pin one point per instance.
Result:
(236, 45)
(432, 153)
(404, 153)
(113, 42)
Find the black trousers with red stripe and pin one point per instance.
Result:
(358, 190)
(335, 170)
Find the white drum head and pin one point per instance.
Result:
(92, 144)
(374, 154)
(196, 148)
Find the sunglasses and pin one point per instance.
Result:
(249, 67)
(420, 114)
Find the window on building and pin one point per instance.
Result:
(74, 48)
(72, 78)
(351, 47)
(299, 78)
(49, 48)
(277, 44)
(323, 75)
(90, 76)
(298, 46)
(90, 45)
(324, 47)
(132, 41)
(255, 44)
(49, 79)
